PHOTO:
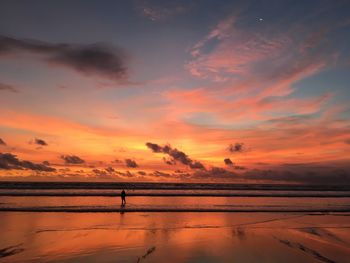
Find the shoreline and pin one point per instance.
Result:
(178, 195)
(166, 210)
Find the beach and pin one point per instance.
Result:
(174, 237)
(173, 223)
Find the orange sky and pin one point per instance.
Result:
(277, 87)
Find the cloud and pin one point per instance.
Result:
(161, 12)
(110, 170)
(63, 170)
(231, 49)
(169, 161)
(176, 155)
(237, 147)
(40, 142)
(72, 159)
(101, 173)
(196, 165)
(258, 68)
(126, 174)
(130, 163)
(7, 87)
(215, 173)
(141, 173)
(235, 51)
(228, 162)
(91, 60)
(154, 147)
(9, 161)
(161, 174)
(2, 142)
(248, 101)
(296, 173)
(303, 174)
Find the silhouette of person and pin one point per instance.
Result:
(123, 195)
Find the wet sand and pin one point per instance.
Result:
(174, 237)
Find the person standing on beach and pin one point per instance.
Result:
(123, 195)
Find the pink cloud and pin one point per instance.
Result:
(235, 53)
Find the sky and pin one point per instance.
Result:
(217, 91)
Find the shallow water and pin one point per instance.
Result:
(173, 203)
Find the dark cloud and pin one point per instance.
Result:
(46, 163)
(10, 161)
(196, 165)
(117, 161)
(101, 173)
(214, 173)
(184, 176)
(2, 142)
(141, 173)
(130, 163)
(154, 147)
(176, 155)
(237, 147)
(228, 162)
(72, 159)
(40, 142)
(169, 161)
(7, 87)
(161, 174)
(93, 59)
(110, 169)
(292, 173)
(126, 174)
(96, 59)
(303, 173)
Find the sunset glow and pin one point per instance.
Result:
(178, 91)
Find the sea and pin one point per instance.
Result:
(90, 197)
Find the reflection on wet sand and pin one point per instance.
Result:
(307, 250)
(11, 250)
(179, 237)
(149, 251)
(173, 204)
